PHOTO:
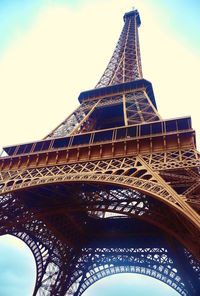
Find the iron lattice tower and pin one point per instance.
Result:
(114, 188)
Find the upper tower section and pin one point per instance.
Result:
(125, 63)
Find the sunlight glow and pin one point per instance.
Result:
(129, 284)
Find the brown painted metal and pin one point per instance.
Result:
(114, 155)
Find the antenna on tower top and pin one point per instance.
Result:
(133, 8)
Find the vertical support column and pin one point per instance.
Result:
(137, 50)
(124, 109)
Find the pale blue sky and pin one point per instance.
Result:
(129, 285)
(17, 268)
(51, 50)
(181, 17)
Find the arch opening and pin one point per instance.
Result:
(18, 267)
(145, 185)
(129, 284)
(91, 197)
(167, 275)
(103, 200)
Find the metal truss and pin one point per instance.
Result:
(136, 108)
(49, 251)
(132, 172)
(139, 108)
(128, 201)
(176, 159)
(154, 262)
(71, 122)
(125, 64)
(32, 207)
(58, 238)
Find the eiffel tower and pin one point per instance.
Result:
(113, 189)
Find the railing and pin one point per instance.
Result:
(172, 126)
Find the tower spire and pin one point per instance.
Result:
(121, 97)
(125, 63)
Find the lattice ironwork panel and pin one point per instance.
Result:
(42, 217)
(71, 122)
(139, 109)
(151, 262)
(125, 64)
(135, 209)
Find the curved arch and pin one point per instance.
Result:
(113, 199)
(130, 284)
(131, 171)
(143, 185)
(28, 238)
(19, 264)
(59, 175)
(39, 253)
(159, 275)
(175, 284)
(46, 270)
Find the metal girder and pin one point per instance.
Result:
(112, 189)
(125, 64)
